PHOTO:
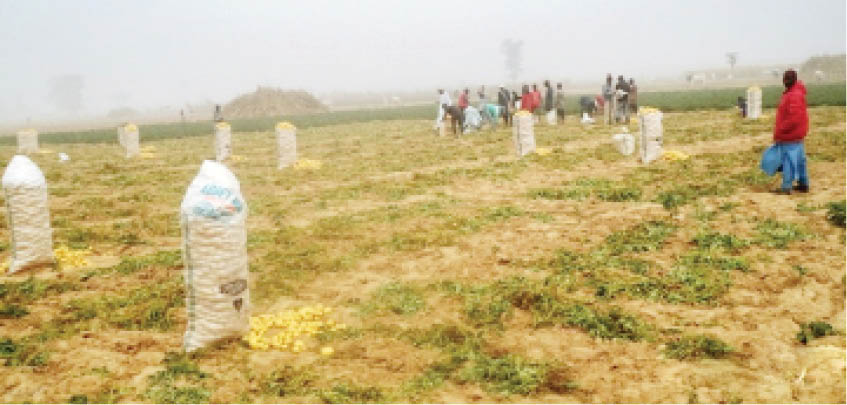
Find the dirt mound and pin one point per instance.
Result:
(270, 101)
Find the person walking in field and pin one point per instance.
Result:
(526, 99)
(457, 117)
(560, 103)
(443, 98)
(463, 99)
(504, 101)
(790, 128)
(536, 98)
(548, 102)
(633, 96)
(608, 97)
(622, 100)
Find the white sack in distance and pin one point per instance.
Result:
(223, 141)
(29, 214)
(27, 141)
(651, 136)
(624, 142)
(754, 102)
(523, 133)
(214, 247)
(130, 140)
(551, 117)
(286, 141)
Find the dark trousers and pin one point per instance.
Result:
(457, 118)
(507, 117)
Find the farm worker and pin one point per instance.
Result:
(607, 100)
(526, 99)
(633, 96)
(790, 127)
(548, 97)
(588, 105)
(560, 103)
(463, 99)
(503, 100)
(536, 98)
(457, 116)
(742, 106)
(482, 99)
(443, 98)
(622, 101)
(491, 113)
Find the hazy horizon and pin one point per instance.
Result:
(156, 53)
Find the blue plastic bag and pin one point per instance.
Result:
(771, 160)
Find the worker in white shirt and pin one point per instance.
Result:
(443, 98)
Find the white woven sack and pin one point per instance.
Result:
(131, 142)
(651, 136)
(551, 117)
(27, 141)
(651, 150)
(442, 129)
(29, 214)
(625, 143)
(214, 246)
(223, 141)
(524, 133)
(286, 140)
(754, 102)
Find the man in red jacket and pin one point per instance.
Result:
(536, 98)
(791, 126)
(463, 99)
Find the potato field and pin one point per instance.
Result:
(437, 269)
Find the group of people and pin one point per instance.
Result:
(617, 102)
(466, 117)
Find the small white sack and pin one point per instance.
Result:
(214, 247)
(29, 214)
(625, 143)
(442, 129)
(27, 141)
(651, 136)
(63, 157)
(130, 138)
(586, 119)
(286, 140)
(651, 150)
(551, 117)
(223, 141)
(523, 133)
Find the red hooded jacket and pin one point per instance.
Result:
(527, 101)
(463, 100)
(792, 120)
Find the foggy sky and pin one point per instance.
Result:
(150, 53)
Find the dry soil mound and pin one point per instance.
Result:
(269, 101)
